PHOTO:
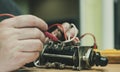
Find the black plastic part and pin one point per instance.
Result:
(99, 60)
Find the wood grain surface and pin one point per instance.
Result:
(108, 68)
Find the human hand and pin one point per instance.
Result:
(21, 39)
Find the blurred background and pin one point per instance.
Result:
(100, 17)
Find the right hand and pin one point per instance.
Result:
(21, 40)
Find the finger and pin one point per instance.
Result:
(33, 45)
(31, 56)
(25, 21)
(7, 32)
(27, 57)
(30, 33)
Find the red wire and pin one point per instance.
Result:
(9, 15)
(51, 36)
(59, 25)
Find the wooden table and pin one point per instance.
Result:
(113, 66)
(108, 68)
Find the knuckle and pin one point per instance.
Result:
(39, 34)
(5, 33)
(4, 22)
(34, 56)
(37, 31)
(29, 58)
(31, 17)
(39, 45)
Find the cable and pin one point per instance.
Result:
(51, 36)
(69, 40)
(36, 63)
(62, 29)
(9, 15)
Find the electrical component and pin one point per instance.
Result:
(69, 54)
(60, 55)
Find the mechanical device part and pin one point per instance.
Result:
(67, 52)
(66, 55)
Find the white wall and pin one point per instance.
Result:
(96, 17)
(108, 24)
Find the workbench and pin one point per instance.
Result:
(113, 66)
(108, 68)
